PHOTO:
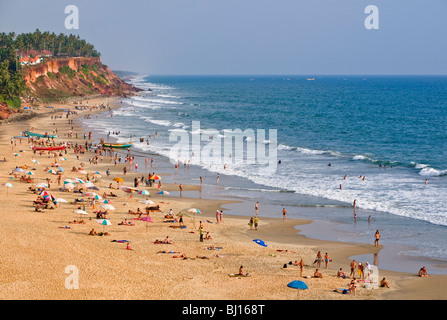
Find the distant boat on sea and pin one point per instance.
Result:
(309, 79)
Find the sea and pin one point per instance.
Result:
(311, 145)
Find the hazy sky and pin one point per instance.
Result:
(249, 36)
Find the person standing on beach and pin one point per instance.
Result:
(360, 271)
(284, 214)
(201, 233)
(376, 238)
(218, 176)
(353, 265)
(255, 221)
(257, 207)
(250, 223)
(221, 216)
(327, 259)
(301, 264)
(318, 259)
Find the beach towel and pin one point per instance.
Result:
(120, 241)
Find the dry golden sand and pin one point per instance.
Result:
(35, 251)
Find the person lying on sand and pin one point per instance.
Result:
(182, 256)
(78, 221)
(92, 232)
(202, 257)
(212, 247)
(284, 250)
(170, 251)
(164, 241)
(104, 234)
(126, 223)
(139, 212)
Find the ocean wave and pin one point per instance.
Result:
(164, 123)
(308, 151)
(431, 172)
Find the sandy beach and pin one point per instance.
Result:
(40, 250)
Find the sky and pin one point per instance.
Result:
(192, 37)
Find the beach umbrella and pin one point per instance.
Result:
(260, 242)
(155, 177)
(62, 159)
(68, 186)
(297, 284)
(118, 179)
(144, 192)
(105, 201)
(52, 171)
(44, 193)
(79, 180)
(60, 169)
(194, 210)
(16, 154)
(41, 185)
(82, 172)
(147, 219)
(182, 214)
(107, 207)
(128, 189)
(18, 170)
(93, 188)
(30, 173)
(35, 161)
(7, 185)
(147, 201)
(61, 200)
(104, 222)
(68, 181)
(163, 193)
(81, 212)
(96, 172)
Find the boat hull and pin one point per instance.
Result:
(117, 146)
(33, 134)
(49, 148)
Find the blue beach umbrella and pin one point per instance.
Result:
(60, 169)
(260, 242)
(297, 284)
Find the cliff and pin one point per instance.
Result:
(75, 76)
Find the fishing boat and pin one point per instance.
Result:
(33, 134)
(117, 145)
(51, 148)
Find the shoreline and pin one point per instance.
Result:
(282, 234)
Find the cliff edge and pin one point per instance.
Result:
(59, 78)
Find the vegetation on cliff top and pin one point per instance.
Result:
(12, 85)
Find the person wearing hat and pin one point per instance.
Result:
(360, 271)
